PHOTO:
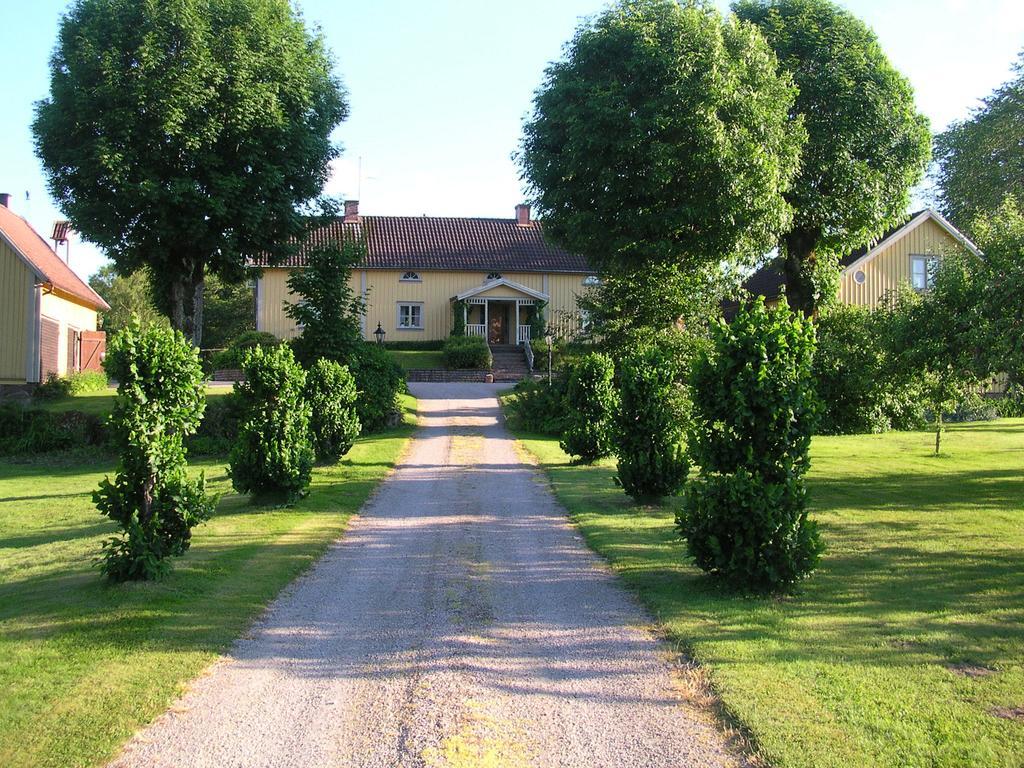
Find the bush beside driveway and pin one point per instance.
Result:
(906, 647)
(84, 664)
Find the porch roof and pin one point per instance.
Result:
(502, 283)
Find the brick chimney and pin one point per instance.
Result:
(5, 199)
(523, 215)
(352, 211)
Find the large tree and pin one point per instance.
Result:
(867, 145)
(185, 135)
(662, 137)
(980, 161)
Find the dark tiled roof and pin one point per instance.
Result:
(431, 242)
(50, 267)
(768, 280)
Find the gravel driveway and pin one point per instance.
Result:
(461, 622)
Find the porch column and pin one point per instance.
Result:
(487, 330)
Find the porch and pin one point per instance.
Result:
(500, 311)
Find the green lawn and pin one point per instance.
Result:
(83, 663)
(924, 573)
(101, 403)
(417, 358)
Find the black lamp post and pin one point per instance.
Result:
(380, 333)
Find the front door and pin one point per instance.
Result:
(496, 332)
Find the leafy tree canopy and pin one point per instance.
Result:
(329, 312)
(184, 135)
(980, 161)
(663, 135)
(867, 145)
(1001, 236)
(128, 296)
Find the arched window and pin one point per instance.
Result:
(591, 280)
(494, 275)
(411, 277)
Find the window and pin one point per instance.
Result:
(859, 277)
(494, 275)
(591, 280)
(410, 317)
(411, 277)
(922, 271)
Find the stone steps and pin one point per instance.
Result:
(509, 362)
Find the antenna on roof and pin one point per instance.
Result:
(60, 236)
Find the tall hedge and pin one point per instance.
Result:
(273, 453)
(592, 401)
(379, 380)
(331, 394)
(754, 409)
(465, 353)
(649, 430)
(160, 401)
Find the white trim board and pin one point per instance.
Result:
(906, 229)
(501, 282)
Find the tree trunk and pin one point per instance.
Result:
(938, 430)
(187, 303)
(798, 265)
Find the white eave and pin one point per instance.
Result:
(909, 227)
(501, 282)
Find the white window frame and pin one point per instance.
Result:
(591, 280)
(493, 276)
(411, 276)
(410, 305)
(930, 261)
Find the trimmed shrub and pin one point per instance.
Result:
(82, 382)
(650, 425)
(160, 401)
(54, 388)
(231, 358)
(538, 407)
(273, 454)
(379, 380)
(466, 352)
(754, 409)
(331, 394)
(592, 401)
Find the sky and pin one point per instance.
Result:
(438, 90)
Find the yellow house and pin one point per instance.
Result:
(420, 270)
(48, 315)
(906, 254)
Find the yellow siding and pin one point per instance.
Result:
(71, 315)
(891, 266)
(435, 291)
(16, 282)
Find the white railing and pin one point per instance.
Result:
(528, 349)
(523, 335)
(472, 329)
